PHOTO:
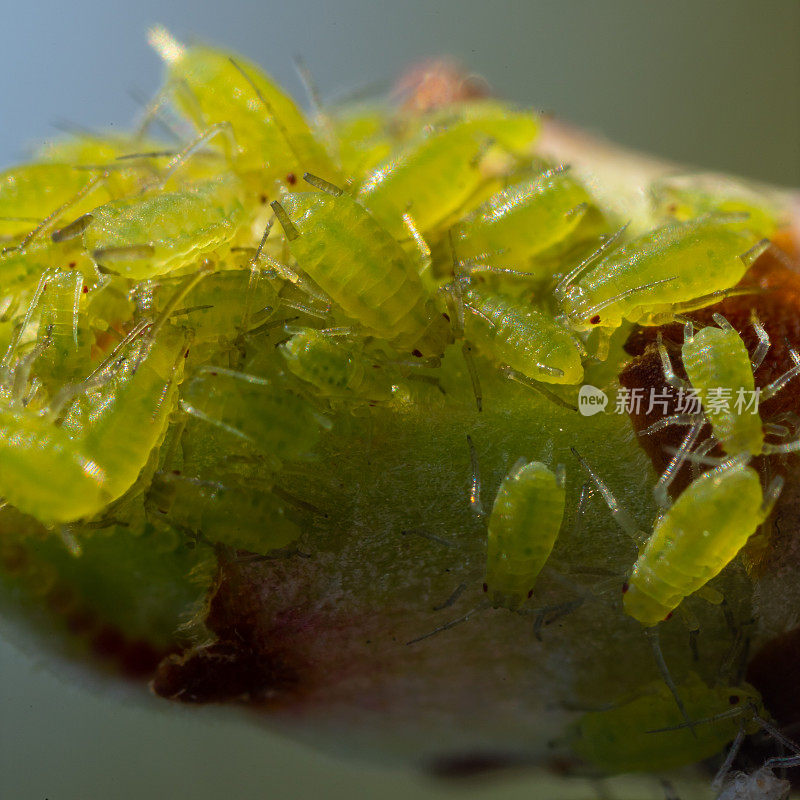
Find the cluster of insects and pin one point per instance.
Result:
(256, 276)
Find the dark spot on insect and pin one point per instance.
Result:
(625, 587)
(73, 264)
(416, 354)
(213, 373)
(530, 593)
(186, 354)
(595, 320)
(669, 616)
(469, 765)
(447, 317)
(733, 699)
(263, 199)
(291, 179)
(485, 587)
(162, 511)
(85, 288)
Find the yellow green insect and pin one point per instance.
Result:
(353, 259)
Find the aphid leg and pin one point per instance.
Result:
(322, 185)
(776, 429)
(603, 344)
(689, 618)
(653, 636)
(661, 489)
(703, 449)
(475, 482)
(70, 542)
(672, 419)
(705, 300)
(514, 375)
(547, 615)
(322, 119)
(425, 261)
(771, 495)
(596, 309)
(454, 595)
(789, 744)
(763, 342)
(725, 767)
(609, 243)
(580, 509)
(666, 363)
(620, 514)
(771, 389)
(472, 369)
(184, 155)
(451, 624)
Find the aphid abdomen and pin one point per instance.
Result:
(136, 405)
(523, 220)
(144, 237)
(523, 337)
(432, 179)
(717, 359)
(355, 261)
(629, 737)
(271, 133)
(68, 348)
(693, 542)
(524, 524)
(44, 473)
(692, 260)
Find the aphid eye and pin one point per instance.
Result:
(625, 587)
(416, 354)
(595, 320)
(176, 472)
(85, 289)
(669, 616)
(263, 199)
(530, 593)
(733, 699)
(485, 587)
(73, 264)
(291, 179)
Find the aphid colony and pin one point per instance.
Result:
(259, 276)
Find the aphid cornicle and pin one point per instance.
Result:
(524, 524)
(522, 221)
(273, 139)
(516, 333)
(144, 237)
(677, 267)
(336, 369)
(354, 260)
(648, 733)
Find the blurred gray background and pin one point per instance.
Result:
(711, 83)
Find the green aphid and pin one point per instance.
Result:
(516, 333)
(356, 262)
(273, 139)
(434, 177)
(523, 527)
(522, 221)
(157, 233)
(631, 738)
(207, 508)
(648, 280)
(335, 367)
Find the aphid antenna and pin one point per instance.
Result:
(725, 767)
(771, 389)
(196, 412)
(453, 623)
(654, 638)
(604, 247)
(319, 313)
(666, 362)
(518, 377)
(86, 189)
(270, 110)
(666, 422)
(181, 292)
(153, 112)
(621, 516)
(113, 357)
(11, 350)
(593, 310)
(661, 489)
(224, 128)
(697, 457)
(467, 352)
(431, 537)
(298, 502)
(475, 481)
